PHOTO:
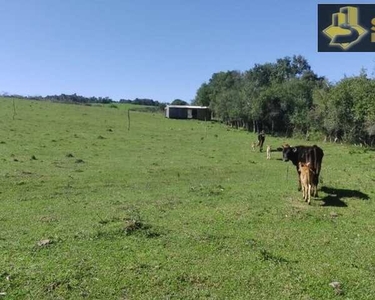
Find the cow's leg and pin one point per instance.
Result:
(313, 190)
(308, 194)
(304, 193)
(315, 182)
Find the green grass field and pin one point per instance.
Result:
(173, 209)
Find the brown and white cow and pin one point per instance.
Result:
(268, 152)
(307, 175)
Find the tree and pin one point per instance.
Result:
(203, 95)
(179, 102)
(286, 96)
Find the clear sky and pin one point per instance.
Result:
(158, 49)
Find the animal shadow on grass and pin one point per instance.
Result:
(335, 195)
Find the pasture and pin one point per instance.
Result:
(173, 209)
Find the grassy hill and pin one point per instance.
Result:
(173, 209)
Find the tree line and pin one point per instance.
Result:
(287, 97)
(74, 98)
(65, 98)
(150, 102)
(144, 101)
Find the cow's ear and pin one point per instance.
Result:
(294, 149)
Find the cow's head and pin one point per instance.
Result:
(302, 165)
(289, 152)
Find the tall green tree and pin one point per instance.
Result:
(203, 95)
(179, 102)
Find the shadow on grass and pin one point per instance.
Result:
(335, 195)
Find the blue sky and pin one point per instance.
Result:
(159, 49)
